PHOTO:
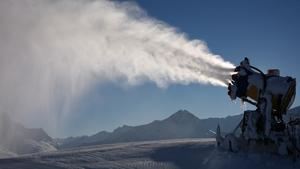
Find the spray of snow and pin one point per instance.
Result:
(52, 51)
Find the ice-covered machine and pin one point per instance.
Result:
(266, 129)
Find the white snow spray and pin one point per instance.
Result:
(52, 51)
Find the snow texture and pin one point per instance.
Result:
(171, 154)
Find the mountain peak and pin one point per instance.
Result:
(183, 116)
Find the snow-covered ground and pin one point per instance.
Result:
(167, 154)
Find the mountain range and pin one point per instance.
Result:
(17, 140)
(181, 124)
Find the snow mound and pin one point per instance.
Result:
(15, 139)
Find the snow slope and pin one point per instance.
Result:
(168, 154)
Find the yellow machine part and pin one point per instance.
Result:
(279, 103)
(288, 99)
(253, 92)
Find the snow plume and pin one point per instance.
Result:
(52, 51)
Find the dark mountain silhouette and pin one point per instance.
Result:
(181, 124)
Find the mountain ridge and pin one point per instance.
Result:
(16, 139)
(181, 124)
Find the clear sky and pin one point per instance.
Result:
(267, 32)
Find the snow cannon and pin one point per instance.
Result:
(268, 127)
(250, 85)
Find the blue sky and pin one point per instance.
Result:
(268, 32)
